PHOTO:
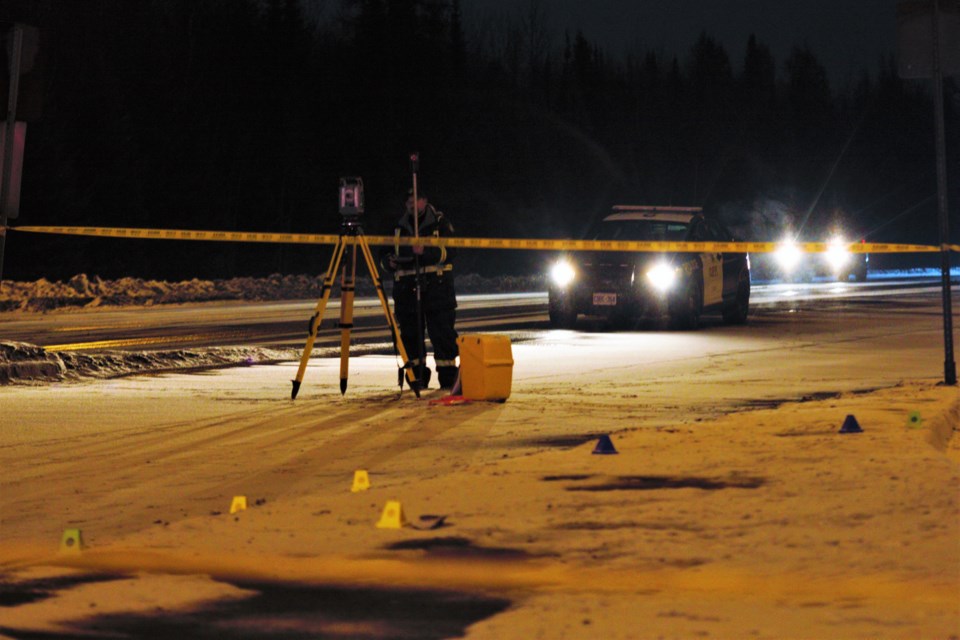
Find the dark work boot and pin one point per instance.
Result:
(447, 376)
(424, 374)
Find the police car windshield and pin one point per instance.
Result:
(642, 231)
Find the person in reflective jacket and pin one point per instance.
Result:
(437, 294)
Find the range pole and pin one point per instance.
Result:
(421, 346)
(949, 365)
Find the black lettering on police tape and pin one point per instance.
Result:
(757, 247)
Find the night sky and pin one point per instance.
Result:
(149, 105)
(848, 36)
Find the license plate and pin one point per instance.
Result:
(604, 299)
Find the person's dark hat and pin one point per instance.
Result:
(420, 193)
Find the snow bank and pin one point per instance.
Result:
(27, 363)
(22, 361)
(85, 291)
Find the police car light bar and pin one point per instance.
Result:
(656, 208)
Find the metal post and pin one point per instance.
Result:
(11, 125)
(949, 366)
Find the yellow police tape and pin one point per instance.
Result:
(480, 243)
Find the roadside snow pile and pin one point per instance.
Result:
(22, 361)
(27, 363)
(84, 291)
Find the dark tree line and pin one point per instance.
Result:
(243, 114)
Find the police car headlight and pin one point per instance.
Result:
(788, 256)
(562, 273)
(662, 276)
(837, 255)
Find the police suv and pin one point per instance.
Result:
(626, 287)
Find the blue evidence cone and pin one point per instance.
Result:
(604, 446)
(850, 425)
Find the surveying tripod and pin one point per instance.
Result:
(351, 233)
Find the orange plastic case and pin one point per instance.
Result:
(486, 366)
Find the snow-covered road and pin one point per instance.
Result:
(729, 511)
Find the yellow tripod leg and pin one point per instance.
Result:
(317, 317)
(347, 286)
(391, 320)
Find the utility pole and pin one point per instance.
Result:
(929, 47)
(949, 365)
(8, 203)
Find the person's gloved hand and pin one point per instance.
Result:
(388, 262)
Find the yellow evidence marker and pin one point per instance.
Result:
(71, 542)
(239, 504)
(392, 517)
(361, 480)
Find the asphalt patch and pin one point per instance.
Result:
(630, 524)
(459, 547)
(285, 612)
(776, 403)
(569, 477)
(649, 483)
(800, 434)
(562, 442)
(13, 594)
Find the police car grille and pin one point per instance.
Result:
(610, 276)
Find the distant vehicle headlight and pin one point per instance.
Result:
(562, 273)
(662, 276)
(788, 255)
(837, 255)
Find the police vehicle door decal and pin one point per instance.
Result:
(712, 278)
